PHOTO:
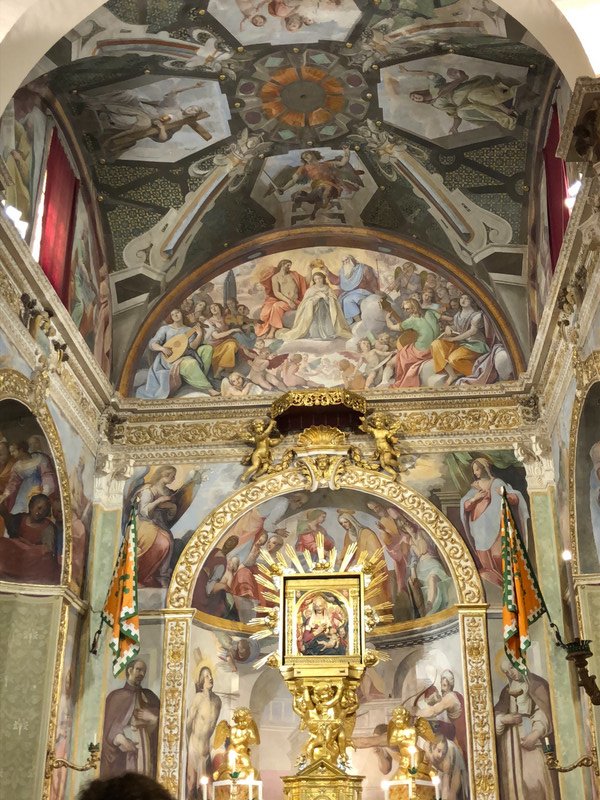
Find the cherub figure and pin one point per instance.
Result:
(241, 734)
(318, 707)
(403, 735)
(383, 430)
(261, 458)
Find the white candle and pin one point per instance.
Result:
(95, 740)
(436, 782)
(204, 784)
(249, 788)
(231, 760)
(413, 756)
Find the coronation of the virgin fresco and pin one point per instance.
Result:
(322, 317)
(200, 127)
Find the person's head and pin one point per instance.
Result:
(229, 544)
(284, 265)
(233, 564)
(428, 296)
(274, 543)
(349, 260)
(319, 604)
(236, 380)
(131, 786)
(454, 304)
(165, 474)
(439, 748)
(431, 280)
(412, 307)
(447, 681)
(232, 305)
(258, 20)
(465, 301)
(39, 507)
(364, 346)
(261, 539)
(187, 305)
(512, 673)
(295, 21)
(310, 156)
(243, 310)
(135, 672)
(319, 279)
(216, 309)
(19, 449)
(316, 515)
(295, 358)
(176, 316)
(242, 650)
(376, 508)
(421, 96)
(408, 269)
(200, 307)
(205, 680)
(383, 339)
(192, 111)
(36, 444)
(259, 345)
(317, 263)
(482, 468)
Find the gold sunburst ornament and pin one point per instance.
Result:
(320, 606)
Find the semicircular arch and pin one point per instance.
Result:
(452, 547)
(346, 238)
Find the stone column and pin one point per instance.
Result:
(105, 537)
(566, 706)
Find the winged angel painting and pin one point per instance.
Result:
(321, 181)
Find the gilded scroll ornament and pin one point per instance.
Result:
(309, 398)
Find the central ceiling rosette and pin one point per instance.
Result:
(302, 98)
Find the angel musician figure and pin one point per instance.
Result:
(383, 431)
(237, 737)
(327, 180)
(261, 458)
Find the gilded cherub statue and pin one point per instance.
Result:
(261, 457)
(241, 734)
(328, 713)
(383, 430)
(404, 734)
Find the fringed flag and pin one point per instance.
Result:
(120, 610)
(522, 601)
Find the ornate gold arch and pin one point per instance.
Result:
(316, 236)
(587, 373)
(471, 611)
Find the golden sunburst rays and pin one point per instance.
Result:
(289, 562)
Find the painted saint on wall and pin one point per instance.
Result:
(587, 483)
(31, 538)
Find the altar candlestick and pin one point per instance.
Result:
(413, 756)
(204, 784)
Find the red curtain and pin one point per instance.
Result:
(58, 218)
(557, 186)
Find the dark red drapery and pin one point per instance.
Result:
(58, 218)
(557, 186)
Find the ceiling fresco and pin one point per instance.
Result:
(205, 125)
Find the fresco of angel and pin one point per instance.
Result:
(160, 506)
(322, 181)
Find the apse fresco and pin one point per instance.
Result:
(322, 317)
(31, 521)
(418, 585)
(129, 738)
(587, 484)
(424, 674)
(523, 719)
(203, 127)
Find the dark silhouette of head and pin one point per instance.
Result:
(130, 786)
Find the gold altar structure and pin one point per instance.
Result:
(321, 617)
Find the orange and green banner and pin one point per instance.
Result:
(522, 601)
(120, 610)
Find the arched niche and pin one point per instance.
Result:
(585, 468)
(17, 392)
(468, 612)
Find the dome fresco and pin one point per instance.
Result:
(198, 129)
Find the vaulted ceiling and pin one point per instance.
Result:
(223, 137)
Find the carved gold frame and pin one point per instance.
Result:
(31, 393)
(471, 610)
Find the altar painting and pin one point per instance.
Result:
(322, 621)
